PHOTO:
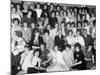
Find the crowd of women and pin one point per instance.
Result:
(47, 37)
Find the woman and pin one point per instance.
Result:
(35, 63)
(26, 32)
(17, 48)
(52, 19)
(79, 61)
(48, 40)
(70, 38)
(73, 28)
(58, 17)
(38, 10)
(68, 56)
(25, 9)
(28, 18)
(54, 31)
(89, 57)
(15, 27)
(58, 63)
(19, 10)
(25, 60)
(14, 14)
(36, 40)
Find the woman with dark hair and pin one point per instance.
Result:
(45, 12)
(15, 27)
(14, 14)
(79, 62)
(34, 14)
(58, 17)
(36, 40)
(70, 38)
(59, 40)
(52, 19)
(48, 40)
(35, 62)
(28, 18)
(38, 10)
(18, 6)
(26, 32)
(25, 9)
(73, 28)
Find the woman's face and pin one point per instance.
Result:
(25, 24)
(33, 25)
(18, 6)
(15, 22)
(38, 6)
(77, 49)
(53, 14)
(78, 33)
(51, 7)
(48, 27)
(57, 14)
(25, 7)
(37, 33)
(68, 26)
(42, 47)
(13, 10)
(62, 25)
(70, 33)
(72, 26)
(56, 26)
(46, 34)
(55, 48)
(30, 13)
(37, 53)
(31, 7)
(45, 7)
(79, 25)
(58, 8)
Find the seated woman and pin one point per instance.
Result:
(44, 56)
(58, 63)
(68, 56)
(48, 40)
(36, 40)
(25, 60)
(34, 66)
(70, 38)
(79, 62)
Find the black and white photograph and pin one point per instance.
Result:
(48, 37)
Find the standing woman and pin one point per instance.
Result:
(79, 61)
